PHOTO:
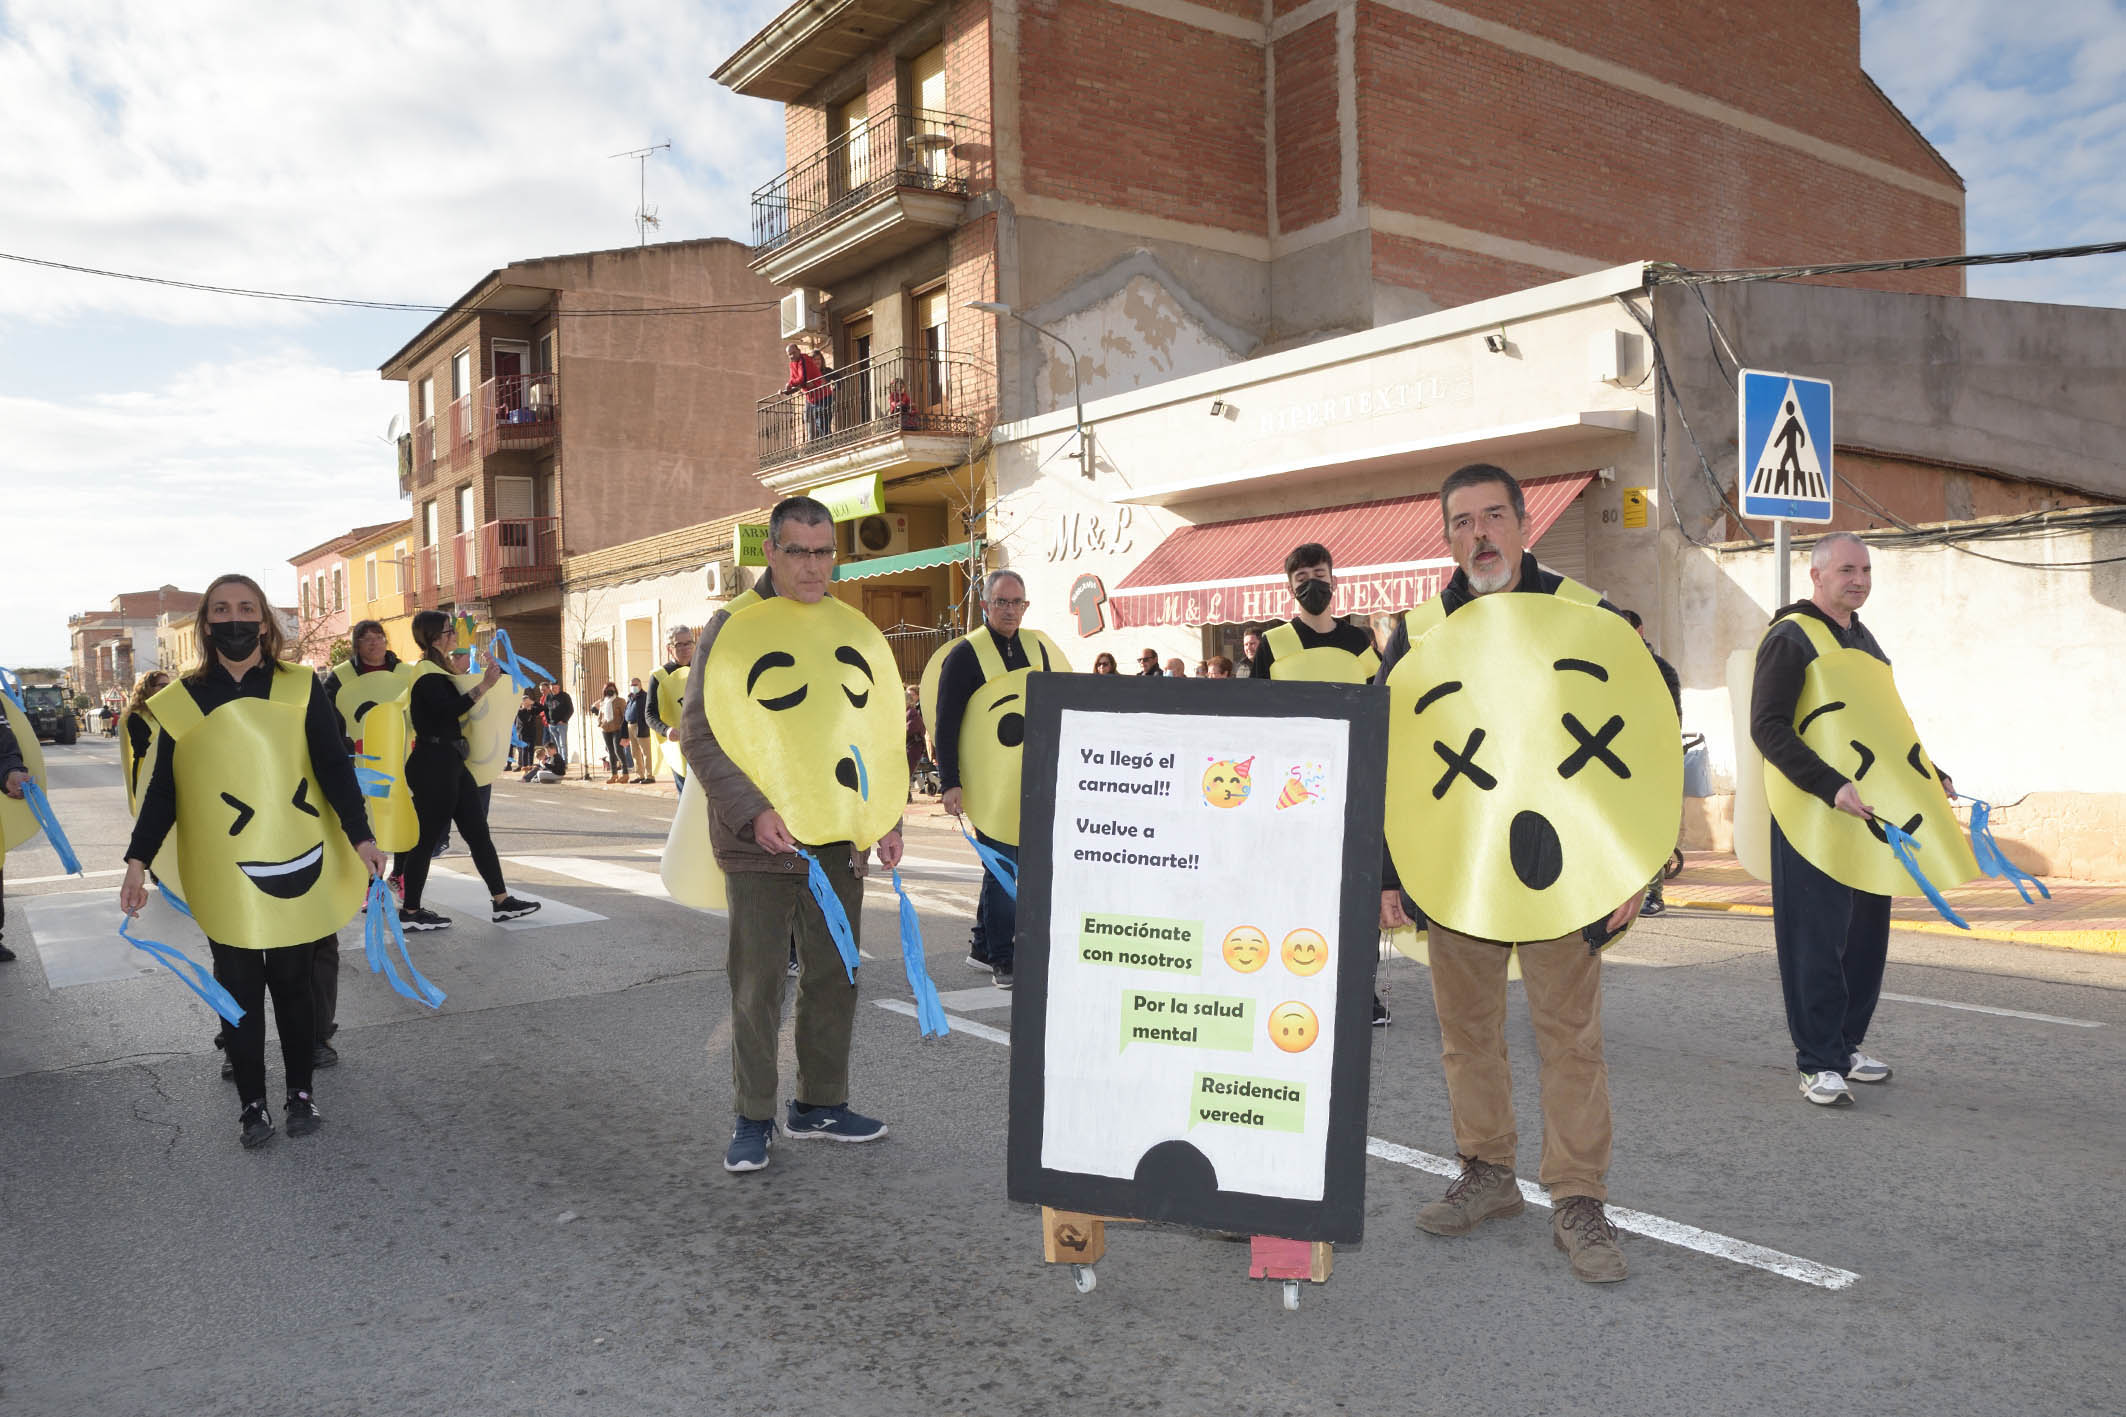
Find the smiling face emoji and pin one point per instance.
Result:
(1247, 949)
(1850, 714)
(1305, 952)
(1535, 767)
(1226, 782)
(807, 702)
(1293, 1026)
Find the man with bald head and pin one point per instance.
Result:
(1833, 940)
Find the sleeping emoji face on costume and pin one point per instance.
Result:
(1850, 714)
(1535, 767)
(807, 701)
(264, 859)
(993, 726)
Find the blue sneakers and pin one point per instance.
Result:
(835, 1123)
(749, 1145)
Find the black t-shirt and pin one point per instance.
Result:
(1345, 636)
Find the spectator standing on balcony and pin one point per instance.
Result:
(808, 373)
(898, 405)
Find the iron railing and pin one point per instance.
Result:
(425, 590)
(894, 149)
(424, 449)
(405, 464)
(459, 425)
(519, 411)
(518, 553)
(463, 571)
(946, 395)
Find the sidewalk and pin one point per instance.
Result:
(2080, 916)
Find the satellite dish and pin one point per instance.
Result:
(391, 430)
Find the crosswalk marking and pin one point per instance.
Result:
(465, 898)
(610, 874)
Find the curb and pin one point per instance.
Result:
(2087, 941)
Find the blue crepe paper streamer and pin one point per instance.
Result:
(1992, 860)
(196, 978)
(1902, 845)
(830, 905)
(520, 671)
(1001, 867)
(175, 903)
(41, 809)
(381, 925)
(11, 685)
(374, 782)
(929, 1009)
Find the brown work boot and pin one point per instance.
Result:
(1480, 1193)
(1582, 1230)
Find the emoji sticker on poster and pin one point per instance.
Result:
(807, 701)
(1305, 952)
(1247, 949)
(1293, 1026)
(1301, 786)
(1226, 783)
(1535, 733)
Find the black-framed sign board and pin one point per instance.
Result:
(1198, 925)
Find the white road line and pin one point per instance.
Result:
(983, 996)
(1638, 1222)
(649, 851)
(1987, 1009)
(609, 811)
(609, 874)
(46, 880)
(959, 1025)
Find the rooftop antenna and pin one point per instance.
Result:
(645, 218)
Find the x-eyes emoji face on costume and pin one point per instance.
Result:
(1536, 736)
(807, 701)
(1226, 783)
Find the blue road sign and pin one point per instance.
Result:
(1785, 467)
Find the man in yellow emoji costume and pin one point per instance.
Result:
(1535, 781)
(977, 723)
(668, 686)
(1839, 752)
(272, 836)
(794, 724)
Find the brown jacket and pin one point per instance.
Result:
(735, 799)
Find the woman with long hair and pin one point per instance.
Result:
(612, 722)
(251, 766)
(139, 733)
(1104, 663)
(442, 786)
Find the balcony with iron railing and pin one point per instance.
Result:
(461, 428)
(424, 450)
(894, 181)
(519, 412)
(898, 412)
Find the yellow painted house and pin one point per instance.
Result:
(379, 577)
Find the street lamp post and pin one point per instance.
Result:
(1085, 444)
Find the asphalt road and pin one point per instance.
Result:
(516, 1204)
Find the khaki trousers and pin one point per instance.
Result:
(1563, 980)
(768, 911)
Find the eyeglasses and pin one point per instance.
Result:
(802, 553)
(1010, 604)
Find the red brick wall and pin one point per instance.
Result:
(1449, 276)
(1309, 160)
(1472, 134)
(972, 275)
(967, 84)
(804, 133)
(1141, 114)
(1795, 62)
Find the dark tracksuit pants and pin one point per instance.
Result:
(249, 976)
(996, 914)
(1833, 942)
(443, 792)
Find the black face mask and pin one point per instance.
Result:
(234, 639)
(1313, 595)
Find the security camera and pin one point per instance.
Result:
(1217, 408)
(1495, 343)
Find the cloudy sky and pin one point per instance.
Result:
(398, 151)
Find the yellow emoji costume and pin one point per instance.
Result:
(486, 728)
(17, 822)
(1850, 715)
(668, 690)
(993, 725)
(137, 777)
(1535, 764)
(807, 703)
(265, 861)
(1323, 664)
(385, 733)
(353, 692)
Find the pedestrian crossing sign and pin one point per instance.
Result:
(1785, 422)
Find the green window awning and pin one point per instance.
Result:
(906, 561)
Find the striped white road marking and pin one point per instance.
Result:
(1638, 1222)
(1988, 1009)
(609, 874)
(46, 880)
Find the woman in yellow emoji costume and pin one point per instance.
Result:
(257, 789)
(371, 675)
(1535, 780)
(437, 771)
(793, 725)
(974, 699)
(1839, 758)
(17, 822)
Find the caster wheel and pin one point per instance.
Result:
(1082, 1275)
(1291, 1294)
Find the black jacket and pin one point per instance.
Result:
(321, 730)
(1783, 658)
(10, 751)
(560, 708)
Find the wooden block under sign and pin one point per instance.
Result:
(1068, 1237)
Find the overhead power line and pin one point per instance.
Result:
(345, 302)
(1669, 273)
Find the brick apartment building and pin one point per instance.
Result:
(546, 421)
(1171, 187)
(110, 648)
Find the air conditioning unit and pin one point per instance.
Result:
(883, 534)
(804, 315)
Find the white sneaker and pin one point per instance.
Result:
(1866, 1069)
(1826, 1089)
